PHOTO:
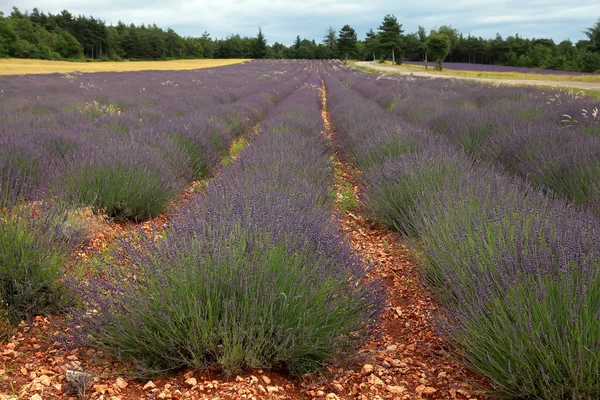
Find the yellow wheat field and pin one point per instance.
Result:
(17, 66)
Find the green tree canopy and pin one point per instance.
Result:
(593, 35)
(390, 37)
(347, 41)
(439, 47)
(260, 45)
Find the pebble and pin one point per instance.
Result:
(44, 380)
(149, 385)
(425, 390)
(395, 389)
(338, 388)
(367, 369)
(266, 379)
(191, 382)
(121, 384)
(374, 380)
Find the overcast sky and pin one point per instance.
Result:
(282, 20)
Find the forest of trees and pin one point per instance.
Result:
(63, 36)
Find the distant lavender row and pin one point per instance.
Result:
(551, 138)
(251, 274)
(495, 68)
(516, 271)
(126, 143)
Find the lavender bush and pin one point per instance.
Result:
(128, 183)
(516, 273)
(252, 274)
(35, 243)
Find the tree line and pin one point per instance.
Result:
(61, 36)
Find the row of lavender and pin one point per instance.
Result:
(495, 68)
(518, 273)
(127, 143)
(551, 138)
(130, 174)
(251, 274)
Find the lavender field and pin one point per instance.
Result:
(496, 191)
(496, 68)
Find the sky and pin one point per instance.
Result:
(282, 20)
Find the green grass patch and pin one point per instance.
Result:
(234, 151)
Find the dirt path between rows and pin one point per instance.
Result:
(405, 71)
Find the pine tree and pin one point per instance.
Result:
(260, 45)
(390, 39)
(330, 42)
(593, 35)
(347, 41)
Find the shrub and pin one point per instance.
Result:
(18, 176)
(246, 302)
(33, 249)
(518, 275)
(198, 161)
(135, 185)
(392, 189)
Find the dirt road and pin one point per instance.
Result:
(406, 71)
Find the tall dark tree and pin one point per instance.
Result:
(390, 37)
(260, 45)
(208, 45)
(593, 35)
(174, 44)
(347, 41)
(422, 35)
(330, 42)
(371, 43)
